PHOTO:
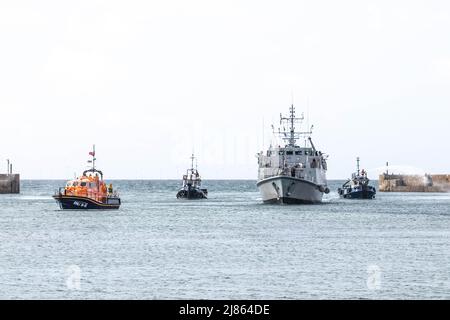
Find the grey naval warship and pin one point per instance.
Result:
(292, 174)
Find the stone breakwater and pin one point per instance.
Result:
(9, 183)
(414, 183)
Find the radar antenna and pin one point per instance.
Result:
(292, 135)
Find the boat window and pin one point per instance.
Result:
(83, 184)
(289, 153)
(75, 184)
(298, 153)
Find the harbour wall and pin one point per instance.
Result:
(414, 183)
(9, 183)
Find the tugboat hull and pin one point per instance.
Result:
(192, 194)
(289, 190)
(360, 194)
(84, 203)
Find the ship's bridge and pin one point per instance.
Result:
(292, 156)
(292, 151)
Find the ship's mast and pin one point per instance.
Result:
(192, 162)
(93, 157)
(357, 165)
(293, 135)
(93, 170)
(92, 154)
(292, 128)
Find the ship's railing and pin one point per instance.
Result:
(115, 194)
(298, 173)
(61, 191)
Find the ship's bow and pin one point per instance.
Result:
(287, 190)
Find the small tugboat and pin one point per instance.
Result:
(192, 182)
(88, 191)
(358, 186)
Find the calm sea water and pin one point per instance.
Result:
(227, 247)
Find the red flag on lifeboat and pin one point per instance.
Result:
(92, 153)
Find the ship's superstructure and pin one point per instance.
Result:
(293, 173)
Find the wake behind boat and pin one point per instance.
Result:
(292, 174)
(89, 191)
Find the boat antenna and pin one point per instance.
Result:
(92, 154)
(292, 125)
(262, 133)
(291, 121)
(93, 157)
(357, 165)
(192, 161)
(292, 128)
(307, 113)
(292, 96)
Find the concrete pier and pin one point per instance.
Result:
(9, 183)
(414, 183)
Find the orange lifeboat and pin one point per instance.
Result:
(89, 191)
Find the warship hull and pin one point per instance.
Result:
(289, 190)
(84, 203)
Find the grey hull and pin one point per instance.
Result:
(287, 190)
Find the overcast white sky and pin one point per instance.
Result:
(148, 81)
